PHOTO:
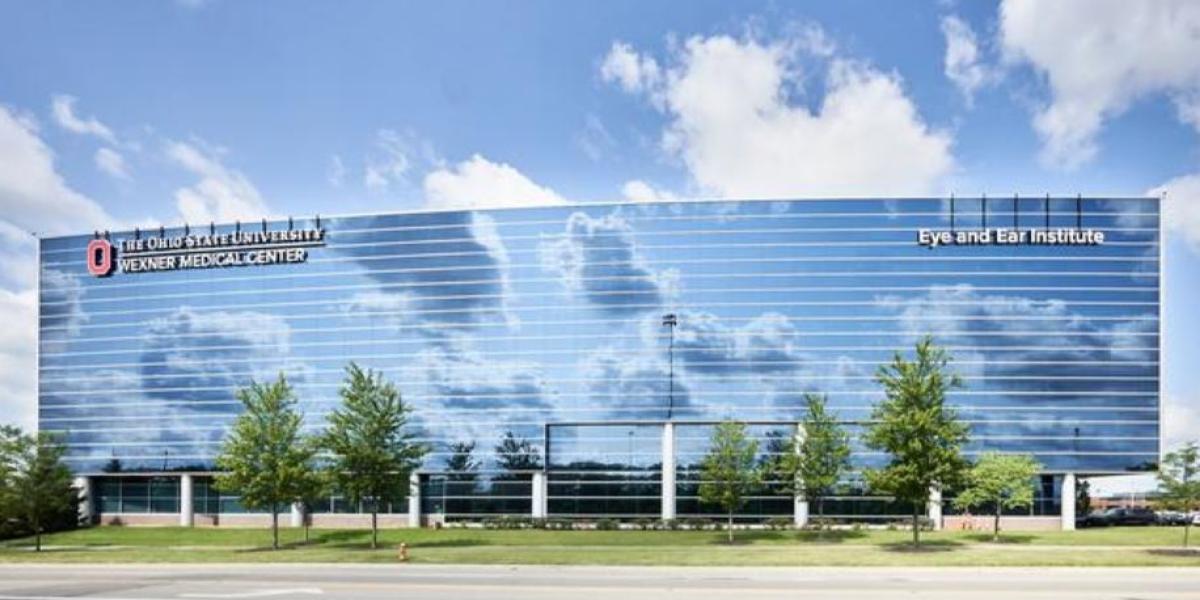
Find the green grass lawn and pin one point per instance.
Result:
(1146, 546)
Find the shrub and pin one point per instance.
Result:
(778, 523)
(697, 524)
(556, 524)
(819, 524)
(607, 525)
(670, 524)
(644, 524)
(509, 522)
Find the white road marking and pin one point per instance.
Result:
(256, 594)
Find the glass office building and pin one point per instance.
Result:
(581, 354)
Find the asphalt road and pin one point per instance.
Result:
(424, 582)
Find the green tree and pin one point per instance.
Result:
(9, 437)
(1000, 481)
(36, 488)
(823, 455)
(729, 471)
(517, 454)
(462, 473)
(371, 454)
(1083, 497)
(922, 436)
(265, 458)
(1179, 483)
(778, 462)
(314, 486)
(462, 466)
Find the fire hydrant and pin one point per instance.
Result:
(403, 552)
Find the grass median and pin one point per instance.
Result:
(1150, 546)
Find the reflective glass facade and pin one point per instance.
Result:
(548, 324)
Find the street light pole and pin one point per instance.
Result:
(670, 321)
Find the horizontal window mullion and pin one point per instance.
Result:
(108, 285)
(292, 359)
(658, 408)
(722, 289)
(889, 214)
(333, 234)
(339, 384)
(796, 318)
(853, 362)
(617, 336)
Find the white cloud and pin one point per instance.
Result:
(18, 365)
(962, 63)
(112, 163)
(1098, 57)
(18, 255)
(1180, 419)
(632, 72)
(33, 198)
(594, 140)
(63, 108)
(480, 183)
(599, 259)
(637, 190)
(735, 126)
(336, 173)
(221, 194)
(1181, 207)
(392, 158)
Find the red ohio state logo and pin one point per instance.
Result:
(100, 258)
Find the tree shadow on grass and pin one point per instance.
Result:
(737, 541)
(836, 536)
(1180, 552)
(741, 537)
(926, 547)
(341, 537)
(456, 543)
(48, 550)
(264, 549)
(1005, 538)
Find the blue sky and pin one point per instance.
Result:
(142, 113)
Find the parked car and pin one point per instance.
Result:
(1119, 516)
(1092, 519)
(1173, 518)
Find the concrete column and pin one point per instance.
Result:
(87, 502)
(414, 500)
(538, 510)
(187, 515)
(800, 503)
(1067, 499)
(296, 515)
(800, 511)
(668, 471)
(935, 508)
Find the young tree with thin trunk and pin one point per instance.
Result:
(265, 459)
(729, 473)
(314, 487)
(913, 424)
(821, 458)
(36, 488)
(1179, 483)
(517, 454)
(1000, 481)
(371, 456)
